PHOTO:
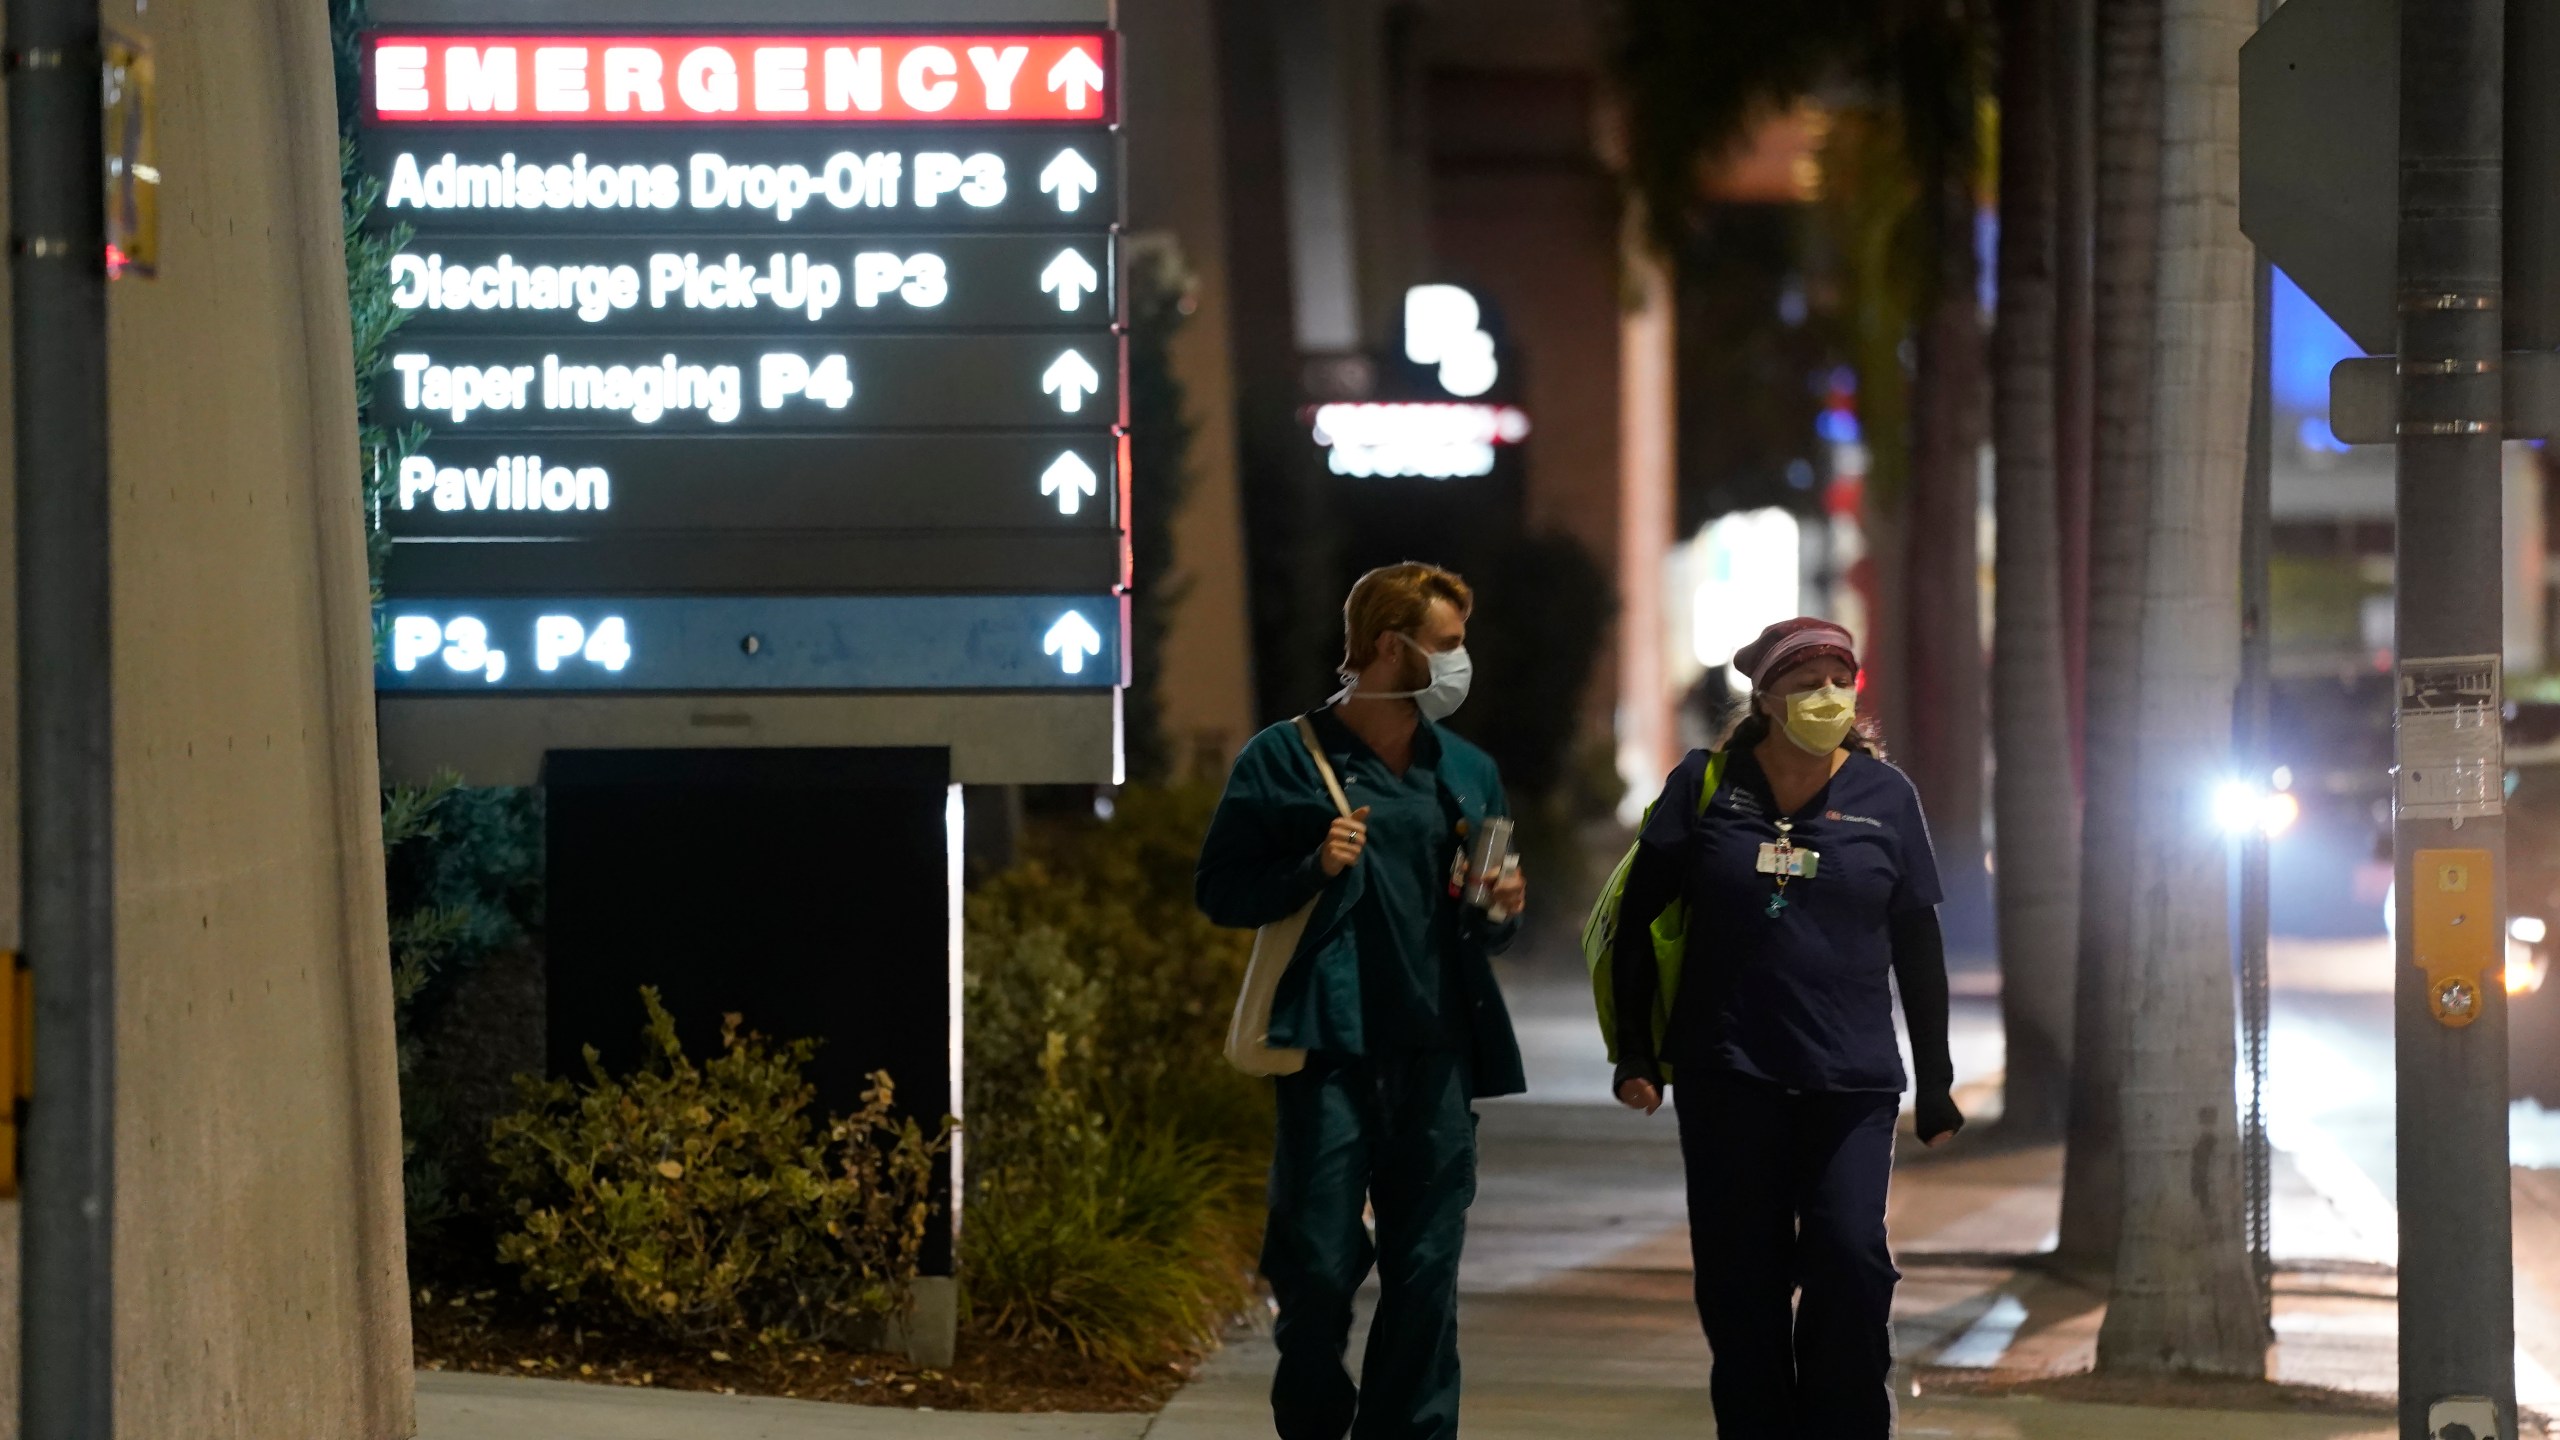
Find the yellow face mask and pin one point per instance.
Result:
(1818, 720)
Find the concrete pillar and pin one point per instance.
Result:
(1648, 460)
(261, 1287)
(1177, 187)
(1524, 210)
(1358, 174)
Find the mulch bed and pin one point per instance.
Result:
(485, 1332)
(2180, 1392)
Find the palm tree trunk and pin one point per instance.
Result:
(2184, 1297)
(2036, 805)
(1942, 555)
(1865, 215)
(2075, 84)
(2125, 279)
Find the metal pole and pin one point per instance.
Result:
(2256, 757)
(2532, 165)
(2457, 1272)
(58, 288)
(2253, 751)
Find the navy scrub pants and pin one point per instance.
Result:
(1394, 1131)
(1787, 1191)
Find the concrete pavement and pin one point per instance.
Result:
(1577, 1317)
(501, 1407)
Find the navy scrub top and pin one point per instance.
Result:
(1802, 998)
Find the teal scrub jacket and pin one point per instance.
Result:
(1259, 865)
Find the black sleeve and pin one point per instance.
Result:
(1653, 882)
(1920, 972)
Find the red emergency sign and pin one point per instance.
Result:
(643, 79)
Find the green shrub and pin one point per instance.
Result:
(1126, 1246)
(703, 1202)
(463, 873)
(1114, 1159)
(1115, 898)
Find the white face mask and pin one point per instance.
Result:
(1452, 673)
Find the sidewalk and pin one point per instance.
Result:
(1577, 1316)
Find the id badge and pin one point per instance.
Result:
(1789, 861)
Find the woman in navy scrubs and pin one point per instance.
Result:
(1811, 889)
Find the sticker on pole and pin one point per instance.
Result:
(2452, 752)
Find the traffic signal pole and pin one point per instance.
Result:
(2457, 1308)
(66, 736)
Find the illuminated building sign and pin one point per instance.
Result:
(750, 362)
(1435, 441)
(1444, 329)
(1435, 407)
(658, 79)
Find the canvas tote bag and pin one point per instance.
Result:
(1249, 1046)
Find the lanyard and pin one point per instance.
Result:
(1786, 851)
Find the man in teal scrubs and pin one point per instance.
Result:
(1392, 995)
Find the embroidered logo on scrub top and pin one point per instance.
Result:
(1852, 819)
(1743, 800)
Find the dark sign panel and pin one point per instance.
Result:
(466, 387)
(736, 284)
(768, 643)
(583, 485)
(777, 180)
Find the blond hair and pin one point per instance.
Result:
(1395, 598)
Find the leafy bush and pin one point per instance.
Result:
(704, 1203)
(463, 872)
(1115, 1160)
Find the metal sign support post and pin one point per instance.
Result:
(57, 199)
(2457, 1308)
(2254, 746)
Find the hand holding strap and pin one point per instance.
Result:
(1324, 767)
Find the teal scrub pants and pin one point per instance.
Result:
(1395, 1131)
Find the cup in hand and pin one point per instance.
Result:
(1485, 866)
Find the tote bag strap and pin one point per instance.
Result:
(1324, 767)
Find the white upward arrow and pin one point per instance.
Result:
(1071, 640)
(1079, 74)
(1070, 275)
(1070, 177)
(1069, 478)
(1071, 379)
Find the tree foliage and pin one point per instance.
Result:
(373, 318)
(1160, 302)
(464, 873)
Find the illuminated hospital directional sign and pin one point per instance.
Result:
(780, 643)
(712, 79)
(680, 311)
